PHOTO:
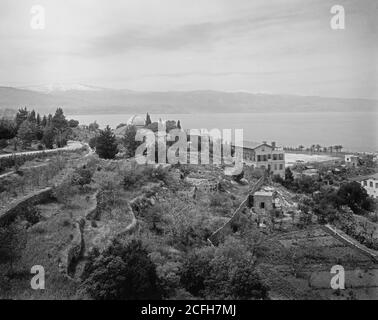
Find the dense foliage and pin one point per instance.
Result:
(122, 272)
(51, 130)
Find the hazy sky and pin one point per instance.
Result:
(274, 46)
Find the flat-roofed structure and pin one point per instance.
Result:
(370, 184)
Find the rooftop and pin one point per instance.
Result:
(136, 121)
(264, 193)
(363, 178)
(252, 144)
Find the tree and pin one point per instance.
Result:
(355, 196)
(7, 129)
(154, 127)
(289, 177)
(44, 121)
(49, 119)
(170, 125)
(148, 120)
(60, 125)
(21, 116)
(38, 120)
(246, 284)
(129, 141)
(26, 132)
(122, 273)
(48, 137)
(92, 142)
(178, 124)
(106, 145)
(93, 126)
(196, 270)
(59, 120)
(32, 117)
(226, 272)
(38, 132)
(73, 123)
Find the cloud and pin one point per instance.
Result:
(276, 46)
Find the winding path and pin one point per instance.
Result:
(71, 146)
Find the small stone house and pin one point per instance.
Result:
(263, 202)
(351, 160)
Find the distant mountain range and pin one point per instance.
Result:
(84, 99)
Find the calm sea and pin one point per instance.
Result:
(355, 131)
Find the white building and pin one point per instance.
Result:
(370, 184)
(265, 156)
(351, 160)
(135, 120)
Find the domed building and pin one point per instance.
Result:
(135, 120)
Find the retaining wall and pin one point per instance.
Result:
(20, 206)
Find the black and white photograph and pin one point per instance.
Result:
(188, 155)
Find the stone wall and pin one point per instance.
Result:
(20, 206)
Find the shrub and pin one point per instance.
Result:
(92, 142)
(122, 272)
(246, 284)
(32, 215)
(225, 272)
(196, 270)
(141, 174)
(12, 241)
(82, 176)
(3, 143)
(130, 179)
(65, 190)
(39, 229)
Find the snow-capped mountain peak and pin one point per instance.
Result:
(60, 87)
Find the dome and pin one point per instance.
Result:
(137, 121)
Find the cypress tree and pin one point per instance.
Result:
(106, 145)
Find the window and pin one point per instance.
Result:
(275, 167)
(265, 157)
(281, 156)
(259, 158)
(365, 183)
(376, 185)
(281, 166)
(262, 205)
(269, 156)
(371, 184)
(274, 157)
